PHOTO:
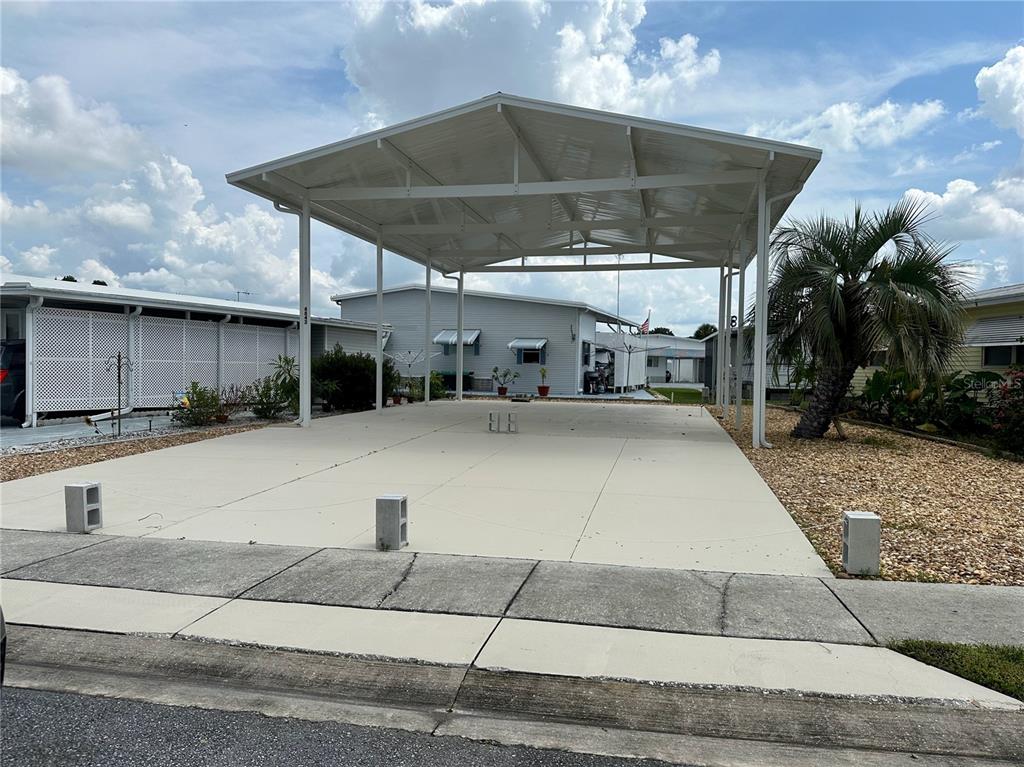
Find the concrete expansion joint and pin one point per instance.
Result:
(724, 612)
(398, 584)
(854, 615)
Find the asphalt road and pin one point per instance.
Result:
(49, 728)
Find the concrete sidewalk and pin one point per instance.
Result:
(738, 605)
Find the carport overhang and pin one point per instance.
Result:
(508, 184)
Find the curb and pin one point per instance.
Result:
(893, 725)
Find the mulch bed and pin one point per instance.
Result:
(15, 466)
(948, 514)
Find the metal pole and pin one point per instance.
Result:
(719, 348)
(305, 365)
(460, 310)
(726, 395)
(380, 322)
(426, 341)
(760, 318)
(739, 346)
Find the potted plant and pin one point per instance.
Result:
(503, 379)
(543, 389)
(396, 398)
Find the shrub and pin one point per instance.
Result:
(286, 378)
(1008, 421)
(234, 398)
(349, 381)
(198, 407)
(415, 387)
(266, 399)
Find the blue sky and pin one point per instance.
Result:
(120, 120)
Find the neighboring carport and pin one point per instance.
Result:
(507, 184)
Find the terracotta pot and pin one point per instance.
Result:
(502, 391)
(543, 390)
(396, 399)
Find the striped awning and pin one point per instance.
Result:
(534, 344)
(451, 337)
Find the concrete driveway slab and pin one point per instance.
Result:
(528, 495)
(468, 585)
(787, 607)
(183, 567)
(94, 608)
(444, 639)
(943, 612)
(666, 600)
(598, 652)
(337, 577)
(25, 547)
(697, 534)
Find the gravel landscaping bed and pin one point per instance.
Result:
(948, 514)
(65, 454)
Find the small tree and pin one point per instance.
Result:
(704, 330)
(841, 289)
(661, 330)
(68, 278)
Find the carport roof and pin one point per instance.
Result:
(505, 179)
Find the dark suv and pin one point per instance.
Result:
(12, 379)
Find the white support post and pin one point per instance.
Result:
(719, 346)
(739, 346)
(426, 341)
(726, 357)
(380, 323)
(305, 357)
(30, 360)
(460, 310)
(760, 317)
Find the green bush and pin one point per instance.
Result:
(349, 381)
(267, 400)
(414, 387)
(1008, 420)
(286, 379)
(198, 407)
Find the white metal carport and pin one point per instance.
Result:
(508, 184)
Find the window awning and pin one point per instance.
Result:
(995, 331)
(451, 337)
(534, 344)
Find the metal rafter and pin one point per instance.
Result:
(634, 169)
(510, 227)
(468, 209)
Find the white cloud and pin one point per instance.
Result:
(46, 132)
(123, 214)
(37, 259)
(1001, 91)
(91, 269)
(974, 150)
(599, 65)
(849, 126)
(966, 211)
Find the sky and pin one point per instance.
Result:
(119, 121)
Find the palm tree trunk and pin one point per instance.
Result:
(828, 392)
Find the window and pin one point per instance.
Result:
(12, 325)
(531, 356)
(586, 352)
(1002, 356)
(652, 362)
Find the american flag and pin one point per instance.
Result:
(646, 327)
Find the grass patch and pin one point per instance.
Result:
(679, 396)
(996, 667)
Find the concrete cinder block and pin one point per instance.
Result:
(493, 421)
(392, 522)
(83, 507)
(862, 542)
(513, 423)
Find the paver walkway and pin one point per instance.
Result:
(617, 484)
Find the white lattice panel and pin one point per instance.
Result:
(73, 351)
(270, 348)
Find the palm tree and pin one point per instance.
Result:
(843, 289)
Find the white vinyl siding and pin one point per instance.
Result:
(500, 321)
